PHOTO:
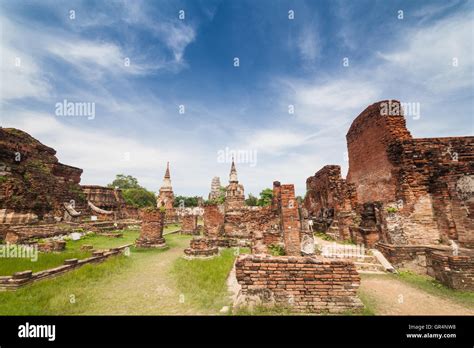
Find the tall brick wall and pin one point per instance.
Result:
(370, 167)
(290, 222)
(423, 189)
(330, 202)
(303, 284)
(213, 221)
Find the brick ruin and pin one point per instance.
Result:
(302, 284)
(400, 191)
(296, 282)
(151, 235)
(34, 184)
(215, 188)
(41, 197)
(189, 224)
(201, 247)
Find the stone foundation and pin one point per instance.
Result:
(303, 284)
(456, 272)
(201, 248)
(151, 235)
(52, 246)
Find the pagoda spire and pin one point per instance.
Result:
(233, 172)
(167, 173)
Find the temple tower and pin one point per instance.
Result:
(234, 196)
(165, 197)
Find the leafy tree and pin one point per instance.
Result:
(266, 197)
(139, 197)
(252, 201)
(124, 182)
(132, 192)
(188, 201)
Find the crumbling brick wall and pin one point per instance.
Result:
(290, 221)
(34, 184)
(424, 187)
(151, 234)
(454, 271)
(213, 221)
(189, 224)
(330, 202)
(303, 284)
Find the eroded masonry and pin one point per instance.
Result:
(405, 202)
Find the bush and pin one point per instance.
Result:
(276, 250)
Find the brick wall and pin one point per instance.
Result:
(304, 284)
(456, 272)
(213, 221)
(151, 235)
(189, 224)
(290, 222)
(330, 202)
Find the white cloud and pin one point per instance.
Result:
(309, 45)
(425, 56)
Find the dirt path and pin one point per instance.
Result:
(393, 297)
(144, 288)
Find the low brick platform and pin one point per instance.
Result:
(201, 248)
(456, 272)
(303, 284)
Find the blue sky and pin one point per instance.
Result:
(137, 126)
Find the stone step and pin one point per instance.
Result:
(365, 266)
(370, 272)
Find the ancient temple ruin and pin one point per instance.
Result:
(215, 188)
(402, 195)
(165, 198)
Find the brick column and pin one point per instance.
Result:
(290, 221)
(151, 235)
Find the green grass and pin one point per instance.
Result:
(434, 287)
(8, 266)
(54, 296)
(369, 304)
(203, 282)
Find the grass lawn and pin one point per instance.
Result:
(434, 287)
(203, 282)
(8, 266)
(74, 293)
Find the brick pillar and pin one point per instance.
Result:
(290, 222)
(213, 221)
(151, 235)
(189, 224)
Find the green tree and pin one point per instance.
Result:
(139, 197)
(266, 197)
(188, 201)
(252, 201)
(124, 182)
